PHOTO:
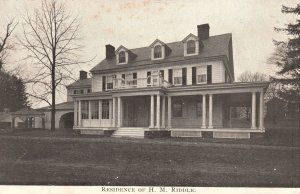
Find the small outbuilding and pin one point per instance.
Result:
(30, 117)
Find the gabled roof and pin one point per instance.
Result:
(155, 41)
(190, 35)
(212, 47)
(121, 47)
(80, 83)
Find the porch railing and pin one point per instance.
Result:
(150, 81)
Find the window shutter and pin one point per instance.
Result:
(209, 74)
(170, 76)
(194, 75)
(184, 76)
(134, 75)
(103, 83)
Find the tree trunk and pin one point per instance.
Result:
(53, 98)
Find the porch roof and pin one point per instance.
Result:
(219, 88)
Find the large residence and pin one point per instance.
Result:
(180, 89)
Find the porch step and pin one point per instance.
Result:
(129, 132)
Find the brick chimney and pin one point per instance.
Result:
(82, 75)
(203, 31)
(110, 51)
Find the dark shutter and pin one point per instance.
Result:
(103, 83)
(170, 76)
(209, 74)
(194, 77)
(184, 76)
(134, 75)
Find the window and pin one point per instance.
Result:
(81, 91)
(177, 109)
(191, 47)
(148, 77)
(89, 90)
(84, 109)
(201, 75)
(105, 109)
(75, 92)
(95, 109)
(177, 76)
(157, 52)
(199, 109)
(110, 82)
(122, 57)
(131, 79)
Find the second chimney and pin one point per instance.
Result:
(110, 51)
(82, 75)
(203, 31)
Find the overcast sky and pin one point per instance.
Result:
(138, 23)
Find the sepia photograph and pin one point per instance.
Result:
(170, 94)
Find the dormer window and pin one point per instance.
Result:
(191, 47)
(122, 57)
(157, 52)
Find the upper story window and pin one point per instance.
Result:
(177, 76)
(157, 52)
(201, 75)
(110, 82)
(191, 47)
(122, 57)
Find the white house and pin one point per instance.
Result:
(183, 89)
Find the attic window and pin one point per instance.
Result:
(157, 52)
(122, 57)
(191, 47)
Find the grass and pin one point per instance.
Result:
(110, 161)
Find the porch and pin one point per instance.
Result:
(233, 110)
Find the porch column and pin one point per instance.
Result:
(90, 110)
(152, 112)
(210, 125)
(158, 111)
(119, 111)
(203, 111)
(79, 113)
(110, 111)
(163, 112)
(169, 111)
(261, 110)
(253, 110)
(100, 111)
(114, 111)
(75, 113)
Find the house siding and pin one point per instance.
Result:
(218, 74)
(97, 83)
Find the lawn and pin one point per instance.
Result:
(109, 161)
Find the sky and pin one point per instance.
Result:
(137, 23)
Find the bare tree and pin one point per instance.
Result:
(5, 44)
(248, 76)
(51, 36)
